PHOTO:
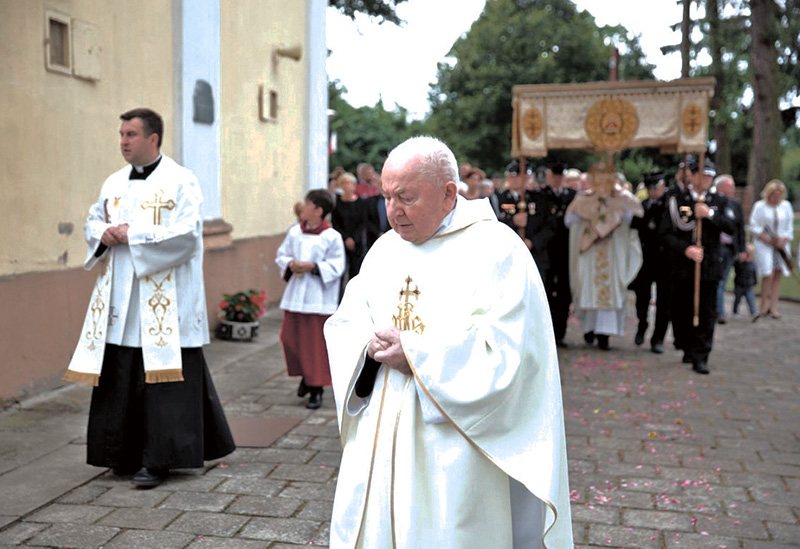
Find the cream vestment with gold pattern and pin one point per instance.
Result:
(470, 450)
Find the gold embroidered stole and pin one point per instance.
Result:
(158, 306)
(87, 360)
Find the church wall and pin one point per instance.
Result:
(61, 130)
(263, 169)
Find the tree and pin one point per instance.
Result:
(518, 42)
(383, 10)
(365, 134)
(765, 154)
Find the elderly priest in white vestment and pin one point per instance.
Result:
(446, 377)
(154, 407)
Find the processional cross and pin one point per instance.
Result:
(402, 320)
(157, 204)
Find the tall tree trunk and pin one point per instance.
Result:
(765, 152)
(722, 156)
(686, 30)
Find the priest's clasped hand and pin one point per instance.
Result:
(115, 235)
(386, 347)
(301, 267)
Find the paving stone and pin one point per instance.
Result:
(74, 536)
(721, 525)
(327, 459)
(596, 514)
(604, 535)
(284, 455)
(150, 539)
(665, 520)
(293, 441)
(17, 533)
(280, 507)
(242, 469)
(284, 530)
(208, 524)
(129, 496)
(143, 519)
(211, 542)
(309, 473)
(192, 483)
(63, 513)
(83, 494)
(309, 491)
(252, 486)
(197, 501)
(784, 532)
(777, 513)
(699, 541)
(332, 444)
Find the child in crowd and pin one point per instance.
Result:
(311, 260)
(745, 280)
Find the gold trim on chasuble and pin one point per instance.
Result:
(402, 320)
(611, 124)
(602, 274)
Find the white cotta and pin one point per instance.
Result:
(470, 450)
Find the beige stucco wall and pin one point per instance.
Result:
(262, 164)
(60, 132)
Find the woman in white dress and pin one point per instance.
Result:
(771, 224)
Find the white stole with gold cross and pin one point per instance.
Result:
(146, 206)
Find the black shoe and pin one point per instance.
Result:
(149, 478)
(562, 344)
(700, 367)
(315, 400)
(686, 359)
(639, 339)
(602, 342)
(657, 348)
(722, 320)
(303, 389)
(588, 337)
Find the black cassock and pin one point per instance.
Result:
(156, 425)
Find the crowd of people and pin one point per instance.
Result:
(594, 237)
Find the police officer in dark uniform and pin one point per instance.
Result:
(655, 269)
(678, 230)
(525, 211)
(557, 197)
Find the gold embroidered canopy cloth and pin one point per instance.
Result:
(611, 116)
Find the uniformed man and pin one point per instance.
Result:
(526, 211)
(654, 265)
(685, 214)
(558, 196)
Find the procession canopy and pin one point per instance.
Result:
(611, 116)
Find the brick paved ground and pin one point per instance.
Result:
(659, 456)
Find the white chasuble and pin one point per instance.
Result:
(470, 450)
(150, 292)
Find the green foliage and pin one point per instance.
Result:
(383, 10)
(247, 306)
(365, 134)
(519, 42)
(791, 174)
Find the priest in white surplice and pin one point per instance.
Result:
(604, 254)
(154, 406)
(446, 377)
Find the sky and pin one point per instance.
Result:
(397, 64)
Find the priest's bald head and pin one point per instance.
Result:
(419, 186)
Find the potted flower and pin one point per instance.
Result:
(239, 314)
